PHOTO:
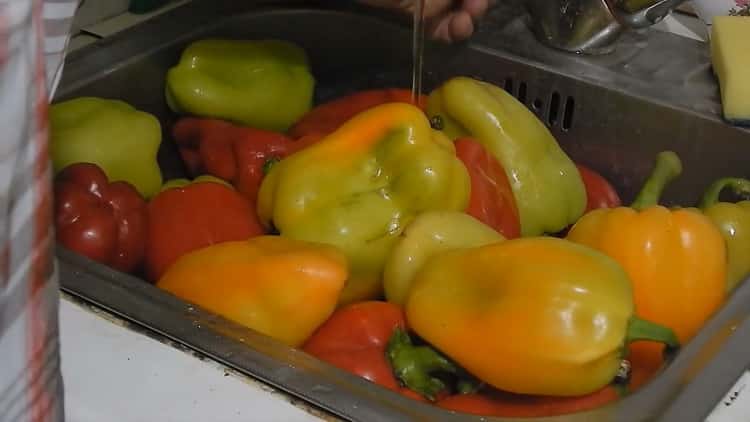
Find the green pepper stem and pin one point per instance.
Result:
(413, 365)
(739, 187)
(668, 166)
(640, 329)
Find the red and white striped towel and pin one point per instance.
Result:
(33, 38)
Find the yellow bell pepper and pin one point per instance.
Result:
(676, 259)
(360, 186)
(430, 233)
(280, 287)
(548, 189)
(733, 221)
(536, 315)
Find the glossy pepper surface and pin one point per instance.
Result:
(430, 233)
(112, 134)
(355, 339)
(733, 221)
(599, 192)
(104, 221)
(548, 189)
(491, 200)
(327, 117)
(539, 316)
(676, 259)
(360, 186)
(193, 216)
(265, 84)
(502, 404)
(233, 153)
(280, 287)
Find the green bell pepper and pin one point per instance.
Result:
(265, 84)
(360, 186)
(733, 221)
(549, 192)
(112, 134)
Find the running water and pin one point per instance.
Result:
(417, 50)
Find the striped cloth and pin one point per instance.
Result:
(31, 386)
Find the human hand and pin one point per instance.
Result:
(446, 20)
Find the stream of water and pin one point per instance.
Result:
(417, 50)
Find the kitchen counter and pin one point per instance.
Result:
(115, 372)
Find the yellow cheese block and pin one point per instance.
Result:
(730, 53)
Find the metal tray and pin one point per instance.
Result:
(612, 113)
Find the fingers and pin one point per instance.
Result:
(453, 26)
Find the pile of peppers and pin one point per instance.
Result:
(444, 247)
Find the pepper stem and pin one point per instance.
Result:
(640, 329)
(414, 365)
(740, 187)
(668, 166)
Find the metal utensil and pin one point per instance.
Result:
(593, 26)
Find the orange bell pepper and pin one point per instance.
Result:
(676, 259)
(280, 287)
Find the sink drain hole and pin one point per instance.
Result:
(570, 105)
(522, 92)
(554, 109)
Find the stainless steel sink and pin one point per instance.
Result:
(613, 113)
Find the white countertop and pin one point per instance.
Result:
(112, 373)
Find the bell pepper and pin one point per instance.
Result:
(355, 339)
(429, 234)
(599, 192)
(502, 404)
(491, 200)
(182, 182)
(327, 117)
(359, 187)
(733, 221)
(547, 187)
(537, 315)
(265, 84)
(369, 339)
(676, 259)
(233, 153)
(183, 219)
(280, 287)
(119, 139)
(106, 222)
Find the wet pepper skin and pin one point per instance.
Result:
(676, 259)
(355, 338)
(360, 186)
(547, 186)
(733, 221)
(188, 217)
(104, 221)
(280, 287)
(540, 316)
(265, 84)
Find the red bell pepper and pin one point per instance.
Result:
(491, 200)
(599, 192)
(369, 339)
(502, 404)
(327, 117)
(101, 220)
(183, 219)
(233, 153)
